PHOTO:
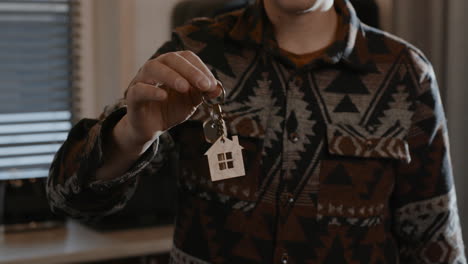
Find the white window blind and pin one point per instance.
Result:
(35, 85)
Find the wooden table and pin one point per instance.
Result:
(77, 243)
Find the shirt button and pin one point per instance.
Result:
(369, 144)
(284, 258)
(294, 137)
(287, 198)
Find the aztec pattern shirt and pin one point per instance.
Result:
(346, 157)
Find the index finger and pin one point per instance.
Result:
(197, 62)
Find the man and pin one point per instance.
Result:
(344, 137)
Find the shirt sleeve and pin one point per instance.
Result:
(426, 221)
(71, 186)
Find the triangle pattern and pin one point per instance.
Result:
(346, 106)
(347, 83)
(378, 173)
(339, 176)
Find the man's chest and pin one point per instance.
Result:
(324, 136)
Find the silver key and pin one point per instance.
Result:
(212, 130)
(215, 127)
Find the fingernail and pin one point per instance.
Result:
(181, 85)
(204, 84)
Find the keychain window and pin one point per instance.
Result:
(225, 161)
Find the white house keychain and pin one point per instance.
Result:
(224, 156)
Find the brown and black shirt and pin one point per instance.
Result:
(346, 156)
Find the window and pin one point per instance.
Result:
(225, 161)
(35, 85)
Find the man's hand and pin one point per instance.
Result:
(182, 79)
(166, 91)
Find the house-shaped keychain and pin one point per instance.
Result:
(225, 159)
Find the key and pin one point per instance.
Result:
(211, 130)
(225, 159)
(215, 127)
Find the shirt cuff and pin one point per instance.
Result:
(143, 161)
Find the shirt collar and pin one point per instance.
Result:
(349, 48)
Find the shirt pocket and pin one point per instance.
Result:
(194, 169)
(357, 174)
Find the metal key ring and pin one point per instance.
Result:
(223, 96)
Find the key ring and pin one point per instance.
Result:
(223, 96)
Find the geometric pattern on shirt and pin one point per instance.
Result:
(393, 106)
(378, 104)
(260, 105)
(264, 104)
(346, 83)
(299, 159)
(177, 256)
(435, 224)
(341, 99)
(300, 120)
(346, 106)
(252, 109)
(356, 141)
(256, 112)
(388, 108)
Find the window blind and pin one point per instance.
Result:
(35, 85)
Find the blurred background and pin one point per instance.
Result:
(63, 60)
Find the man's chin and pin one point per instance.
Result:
(302, 7)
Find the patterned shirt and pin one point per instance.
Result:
(346, 157)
